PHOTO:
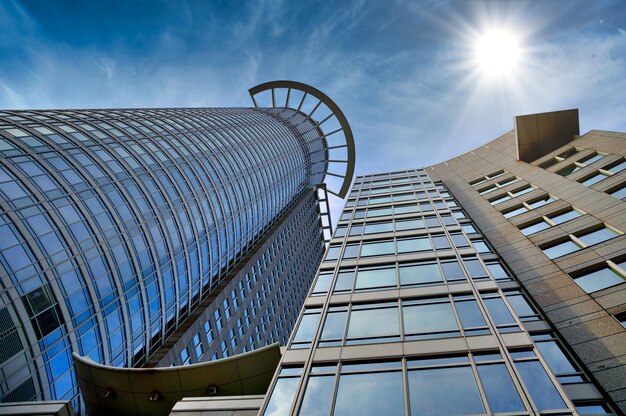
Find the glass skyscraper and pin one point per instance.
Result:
(120, 230)
(492, 283)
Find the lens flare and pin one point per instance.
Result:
(497, 52)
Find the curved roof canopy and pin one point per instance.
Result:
(154, 391)
(328, 119)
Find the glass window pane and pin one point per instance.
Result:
(502, 395)
(316, 401)
(377, 248)
(323, 283)
(515, 212)
(409, 225)
(598, 236)
(520, 305)
(420, 273)
(334, 325)
(470, 314)
(561, 249)
(566, 216)
(366, 279)
(555, 357)
(345, 280)
(474, 268)
(618, 168)
(599, 279)
(498, 311)
(594, 179)
(619, 193)
(374, 323)
(370, 394)
(534, 228)
(413, 244)
(351, 251)
(307, 327)
(444, 391)
(378, 228)
(429, 318)
(543, 393)
(497, 271)
(452, 270)
(282, 397)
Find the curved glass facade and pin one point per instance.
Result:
(116, 224)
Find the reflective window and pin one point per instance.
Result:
(409, 224)
(323, 283)
(374, 323)
(516, 211)
(534, 228)
(565, 216)
(345, 280)
(420, 273)
(474, 268)
(452, 270)
(378, 248)
(444, 391)
(413, 244)
(378, 393)
(379, 277)
(428, 318)
(541, 202)
(501, 393)
(599, 279)
(381, 227)
(308, 326)
(316, 400)
(498, 311)
(619, 193)
(617, 168)
(594, 179)
(282, 396)
(542, 391)
(561, 249)
(597, 236)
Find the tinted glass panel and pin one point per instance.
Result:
(444, 391)
(370, 394)
(307, 327)
(377, 249)
(469, 314)
(409, 225)
(561, 249)
(499, 312)
(566, 216)
(413, 244)
(374, 323)
(599, 279)
(597, 236)
(282, 397)
(554, 356)
(420, 273)
(428, 318)
(452, 270)
(316, 401)
(542, 391)
(375, 278)
(334, 325)
(499, 388)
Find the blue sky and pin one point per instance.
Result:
(400, 70)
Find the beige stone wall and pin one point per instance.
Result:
(585, 321)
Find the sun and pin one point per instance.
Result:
(497, 52)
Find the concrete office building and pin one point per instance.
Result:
(493, 282)
(152, 237)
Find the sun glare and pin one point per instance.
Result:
(497, 52)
